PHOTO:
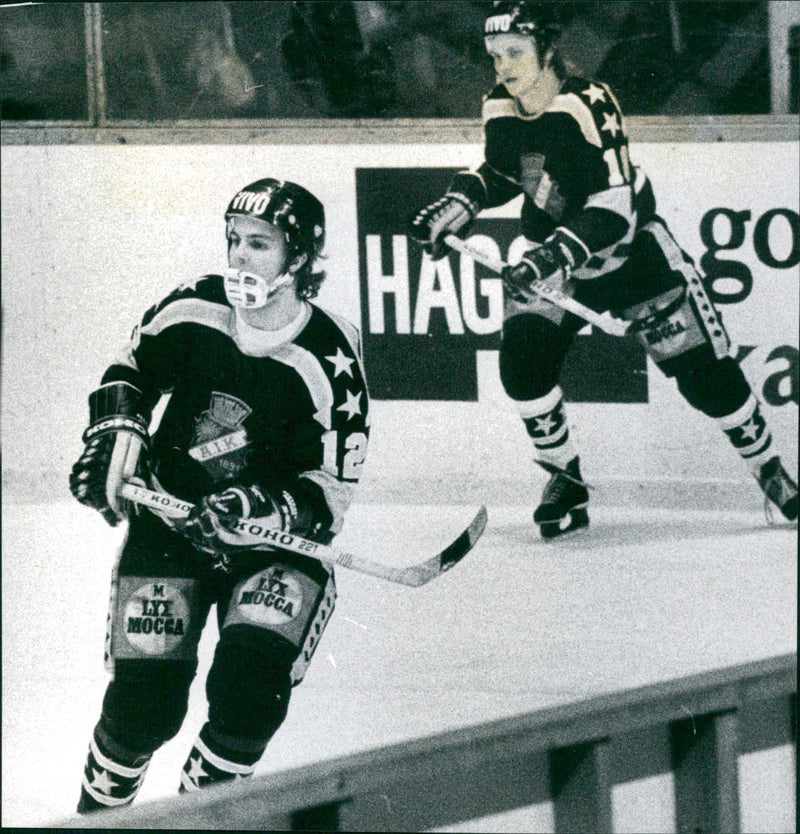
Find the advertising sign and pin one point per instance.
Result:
(423, 321)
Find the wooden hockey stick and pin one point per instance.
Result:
(605, 321)
(269, 538)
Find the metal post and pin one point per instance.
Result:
(580, 780)
(95, 69)
(705, 766)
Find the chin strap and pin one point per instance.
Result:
(250, 291)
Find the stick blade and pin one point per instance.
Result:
(451, 555)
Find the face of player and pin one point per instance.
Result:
(256, 246)
(517, 66)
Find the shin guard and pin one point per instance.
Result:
(112, 776)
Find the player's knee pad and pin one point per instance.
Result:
(144, 706)
(249, 684)
(532, 351)
(717, 387)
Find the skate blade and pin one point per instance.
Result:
(574, 522)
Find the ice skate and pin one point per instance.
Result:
(562, 509)
(778, 487)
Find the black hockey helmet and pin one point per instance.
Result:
(289, 207)
(523, 17)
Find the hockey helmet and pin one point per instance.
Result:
(522, 17)
(289, 207)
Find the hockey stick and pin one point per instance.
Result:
(267, 537)
(605, 321)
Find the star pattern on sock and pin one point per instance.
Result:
(750, 430)
(546, 424)
(102, 781)
(195, 771)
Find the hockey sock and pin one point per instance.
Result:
(546, 423)
(112, 776)
(217, 758)
(749, 433)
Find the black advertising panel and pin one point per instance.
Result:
(422, 322)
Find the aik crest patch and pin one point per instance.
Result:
(220, 441)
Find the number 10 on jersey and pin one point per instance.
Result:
(352, 461)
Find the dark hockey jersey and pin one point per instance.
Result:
(284, 409)
(572, 164)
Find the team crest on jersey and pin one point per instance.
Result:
(536, 183)
(220, 441)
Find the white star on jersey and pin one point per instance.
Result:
(610, 123)
(595, 93)
(352, 405)
(341, 363)
(102, 781)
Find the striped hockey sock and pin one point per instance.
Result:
(214, 759)
(749, 434)
(546, 423)
(112, 776)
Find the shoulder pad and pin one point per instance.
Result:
(499, 104)
(593, 108)
(498, 91)
(200, 285)
(206, 288)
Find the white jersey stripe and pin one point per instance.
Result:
(497, 108)
(572, 104)
(317, 382)
(617, 199)
(193, 310)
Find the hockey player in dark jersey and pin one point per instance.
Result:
(267, 419)
(590, 218)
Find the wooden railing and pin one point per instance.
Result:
(695, 728)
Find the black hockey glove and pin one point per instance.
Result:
(551, 264)
(450, 215)
(116, 449)
(213, 524)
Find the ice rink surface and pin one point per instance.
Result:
(644, 596)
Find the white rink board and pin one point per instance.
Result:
(93, 235)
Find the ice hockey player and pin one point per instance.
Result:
(590, 218)
(267, 419)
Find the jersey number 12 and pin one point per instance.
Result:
(353, 460)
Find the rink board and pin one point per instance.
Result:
(93, 235)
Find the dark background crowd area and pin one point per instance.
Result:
(351, 60)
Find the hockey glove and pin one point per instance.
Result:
(550, 264)
(116, 449)
(451, 214)
(212, 524)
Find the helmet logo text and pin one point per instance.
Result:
(498, 23)
(250, 201)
